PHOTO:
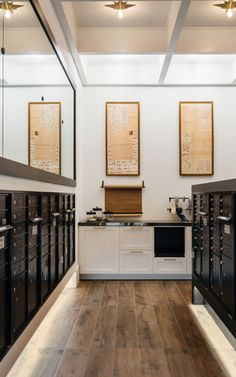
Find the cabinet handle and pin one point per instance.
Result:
(99, 227)
(170, 259)
(224, 218)
(135, 228)
(136, 252)
(202, 213)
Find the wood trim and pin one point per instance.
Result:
(123, 175)
(16, 169)
(212, 138)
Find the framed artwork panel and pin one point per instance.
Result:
(196, 138)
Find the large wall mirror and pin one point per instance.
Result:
(37, 97)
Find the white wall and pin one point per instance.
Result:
(159, 142)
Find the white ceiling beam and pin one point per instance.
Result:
(70, 38)
(176, 21)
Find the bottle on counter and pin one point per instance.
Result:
(98, 212)
(108, 215)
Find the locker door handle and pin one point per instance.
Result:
(224, 218)
(36, 219)
(55, 214)
(5, 228)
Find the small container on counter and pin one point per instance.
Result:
(91, 216)
(98, 212)
(108, 215)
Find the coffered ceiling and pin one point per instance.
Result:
(156, 42)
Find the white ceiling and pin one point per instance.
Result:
(156, 43)
(205, 14)
(144, 14)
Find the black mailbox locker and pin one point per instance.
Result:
(44, 276)
(228, 284)
(53, 266)
(19, 263)
(33, 286)
(36, 249)
(4, 289)
(4, 317)
(214, 249)
(60, 261)
(19, 315)
(216, 275)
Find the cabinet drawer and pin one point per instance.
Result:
(136, 261)
(170, 266)
(136, 238)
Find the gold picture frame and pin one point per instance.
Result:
(44, 139)
(196, 138)
(122, 138)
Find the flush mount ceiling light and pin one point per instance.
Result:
(8, 8)
(228, 6)
(120, 6)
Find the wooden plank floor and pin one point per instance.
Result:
(122, 329)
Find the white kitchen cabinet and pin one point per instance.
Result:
(99, 250)
(170, 266)
(141, 238)
(136, 261)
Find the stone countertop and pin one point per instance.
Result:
(136, 223)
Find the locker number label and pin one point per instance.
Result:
(2, 242)
(34, 230)
(227, 229)
(204, 222)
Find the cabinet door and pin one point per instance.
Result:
(136, 238)
(136, 261)
(228, 284)
(99, 250)
(167, 266)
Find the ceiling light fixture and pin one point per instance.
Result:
(8, 8)
(120, 6)
(228, 6)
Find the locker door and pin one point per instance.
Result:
(19, 303)
(228, 284)
(32, 285)
(44, 276)
(216, 275)
(3, 316)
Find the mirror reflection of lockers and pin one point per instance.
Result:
(31, 71)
